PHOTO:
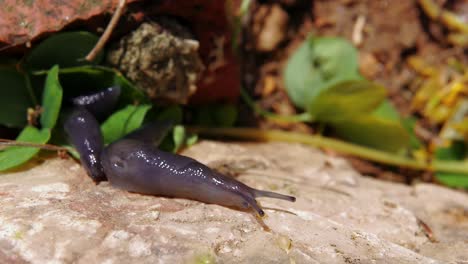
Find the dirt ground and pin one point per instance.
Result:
(386, 34)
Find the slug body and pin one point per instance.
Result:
(85, 135)
(139, 167)
(133, 163)
(101, 103)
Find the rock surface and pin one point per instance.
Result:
(53, 213)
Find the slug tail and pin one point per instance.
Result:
(260, 193)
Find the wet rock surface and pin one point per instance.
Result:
(53, 212)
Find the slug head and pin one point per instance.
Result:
(242, 196)
(121, 167)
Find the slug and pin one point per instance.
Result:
(133, 163)
(101, 103)
(83, 131)
(139, 167)
(85, 135)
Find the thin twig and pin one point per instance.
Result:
(11, 143)
(107, 33)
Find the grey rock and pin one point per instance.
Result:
(52, 212)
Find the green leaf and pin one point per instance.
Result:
(51, 99)
(14, 98)
(318, 64)
(84, 79)
(14, 156)
(66, 49)
(372, 131)
(409, 123)
(180, 139)
(346, 100)
(123, 122)
(454, 180)
(387, 111)
(191, 139)
(455, 152)
(178, 136)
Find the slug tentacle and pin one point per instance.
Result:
(260, 193)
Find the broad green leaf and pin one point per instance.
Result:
(11, 157)
(372, 131)
(84, 79)
(409, 123)
(14, 98)
(346, 100)
(453, 179)
(387, 111)
(123, 122)
(51, 99)
(66, 49)
(455, 152)
(319, 63)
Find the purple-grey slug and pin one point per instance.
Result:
(133, 163)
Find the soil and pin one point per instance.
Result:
(391, 32)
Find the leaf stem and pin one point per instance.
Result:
(14, 143)
(340, 146)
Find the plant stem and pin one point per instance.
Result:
(337, 145)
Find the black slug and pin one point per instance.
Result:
(139, 167)
(101, 103)
(85, 135)
(133, 163)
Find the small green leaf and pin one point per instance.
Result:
(11, 157)
(178, 136)
(346, 100)
(14, 98)
(318, 64)
(372, 131)
(191, 139)
(123, 122)
(66, 49)
(51, 99)
(455, 152)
